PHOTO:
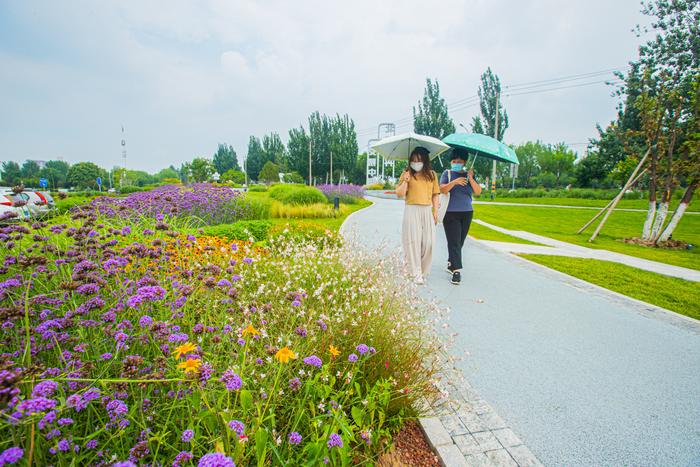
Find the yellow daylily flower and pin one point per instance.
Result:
(334, 351)
(284, 354)
(184, 349)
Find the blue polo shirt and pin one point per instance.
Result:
(460, 196)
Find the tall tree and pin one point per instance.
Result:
(83, 175)
(274, 150)
(529, 155)
(201, 169)
(298, 151)
(30, 170)
(477, 126)
(432, 118)
(225, 159)
(55, 172)
(255, 160)
(490, 105)
(11, 172)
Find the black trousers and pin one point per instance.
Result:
(456, 226)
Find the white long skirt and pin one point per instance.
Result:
(418, 237)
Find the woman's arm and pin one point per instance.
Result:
(436, 206)
(476, 188)
(445, 188)
(402, 187)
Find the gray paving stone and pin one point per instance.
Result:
(501, 458)
(472, 421)
(492, 420)
(451, 457)
(478, 460)
(487, 441)
(523, 456)
(507, 438)
(453, 425)
(467, 445)
(480, 406)
(435, 432)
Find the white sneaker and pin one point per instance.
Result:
(419, 280)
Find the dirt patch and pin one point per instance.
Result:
(667, 245)
(410, 449)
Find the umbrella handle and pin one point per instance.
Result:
(473, 160)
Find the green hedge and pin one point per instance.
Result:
(241, 230)
(582, 193)
(257, 188)
(296, 194)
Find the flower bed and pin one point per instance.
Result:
(200, 203)
(137, 344)
(347, 193)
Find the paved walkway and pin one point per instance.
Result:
(581, 375)
(557, 247)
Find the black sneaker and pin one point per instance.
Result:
(456, 278)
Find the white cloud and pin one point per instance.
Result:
(184, 75)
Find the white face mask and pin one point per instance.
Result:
(417, 166)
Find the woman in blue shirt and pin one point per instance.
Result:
(460, 184)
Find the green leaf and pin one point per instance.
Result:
(261, 445)
(246, 400)
(358, 415)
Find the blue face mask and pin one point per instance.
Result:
(457, 167)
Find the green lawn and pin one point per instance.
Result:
(671, 293)
(480, 232)
(592, 203)
(563, 223)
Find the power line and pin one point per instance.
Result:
(519, 89)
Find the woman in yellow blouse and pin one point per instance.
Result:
(419, 185)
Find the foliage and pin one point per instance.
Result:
(11, 172)
(258, 188)
(241, 230)
(127, 189)
(167, 173)
(374, 186)
(258, 207)
(270, 173)
(225, 159)
(293, 177)
(274, 150)
(432, 117)
(163, 347)
(256, 158)
(348, 194)
(233, 176)
(305, 232)
(201, 170)
(490, 105)
(83, 175)
(296, 194)
(307, 211)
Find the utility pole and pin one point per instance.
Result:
(122, 179)
(493, 171)
(310, 184)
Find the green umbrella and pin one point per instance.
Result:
(481, 145)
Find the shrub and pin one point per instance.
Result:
(257, 207)
(296, 194)
(131, 189)
(306, 211)
(348, 194)
(257, 188)
(293, 177)
(270, 173)
(374, 186)
(241, 230)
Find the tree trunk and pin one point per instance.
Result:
(678, 213)
(659, 221)
(651, 212)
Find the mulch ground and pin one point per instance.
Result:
(410, 449)
(667, 245)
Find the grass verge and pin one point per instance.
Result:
(562, 224)
(481, 232)
(671, 293)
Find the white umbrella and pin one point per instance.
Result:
(399, 147)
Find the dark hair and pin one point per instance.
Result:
(458, 153)
(424, 155)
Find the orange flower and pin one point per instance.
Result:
(191, 365)
(284, 354)
(184, 349)
(250, 330)
(334, 351)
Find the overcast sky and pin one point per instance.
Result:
(183, 76)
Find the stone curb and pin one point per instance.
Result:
(464, 431)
